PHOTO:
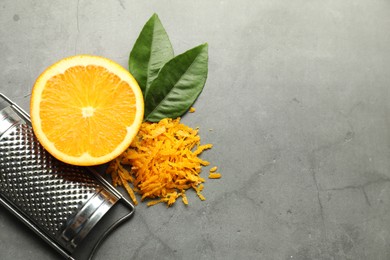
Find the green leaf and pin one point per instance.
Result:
(178, 84)
(150, 52)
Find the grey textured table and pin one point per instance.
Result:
(299, 103)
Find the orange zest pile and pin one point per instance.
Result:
(161, 163)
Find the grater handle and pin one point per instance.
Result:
(120, 221)
(114, 226)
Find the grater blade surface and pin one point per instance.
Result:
(45, 189)
(60, 202)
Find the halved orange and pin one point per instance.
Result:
(86, 110)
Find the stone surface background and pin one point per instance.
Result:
(298, 101)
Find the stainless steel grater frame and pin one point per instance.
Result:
(59, 202)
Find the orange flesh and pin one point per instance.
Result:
(86, 120)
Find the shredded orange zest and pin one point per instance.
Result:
(214, 169)
(214, 175)
(184, 198)
(161, 163)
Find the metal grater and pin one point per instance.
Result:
(60, 202)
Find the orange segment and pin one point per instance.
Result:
(86, 110)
